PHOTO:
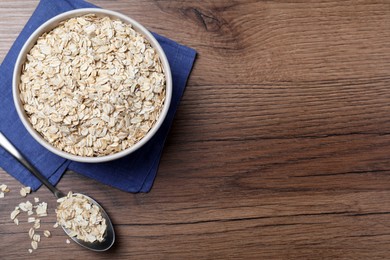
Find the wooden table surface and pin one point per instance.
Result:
(279, 149)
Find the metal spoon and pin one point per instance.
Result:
(109, 236)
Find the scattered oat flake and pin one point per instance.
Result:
(41, 209)
(30, 250)
(67, 241)
(16, 221)
(37, 225)
(47, 233)
(31, 220)
(37, 237)
(15, 213)
(31, 233)
(25, 206)
(34, 244)
(4, 188)
(24, 191)
(29, 205)
(55, 225)
(36, 200)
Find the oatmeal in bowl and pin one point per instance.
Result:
(92, 85)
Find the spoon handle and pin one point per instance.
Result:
(11, 149)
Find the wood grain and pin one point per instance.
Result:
(279, 149)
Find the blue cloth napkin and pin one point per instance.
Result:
(134, 173)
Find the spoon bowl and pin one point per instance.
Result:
(109, 236)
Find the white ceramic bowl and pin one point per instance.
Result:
(51, 24)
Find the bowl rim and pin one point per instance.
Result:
(51, 24)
